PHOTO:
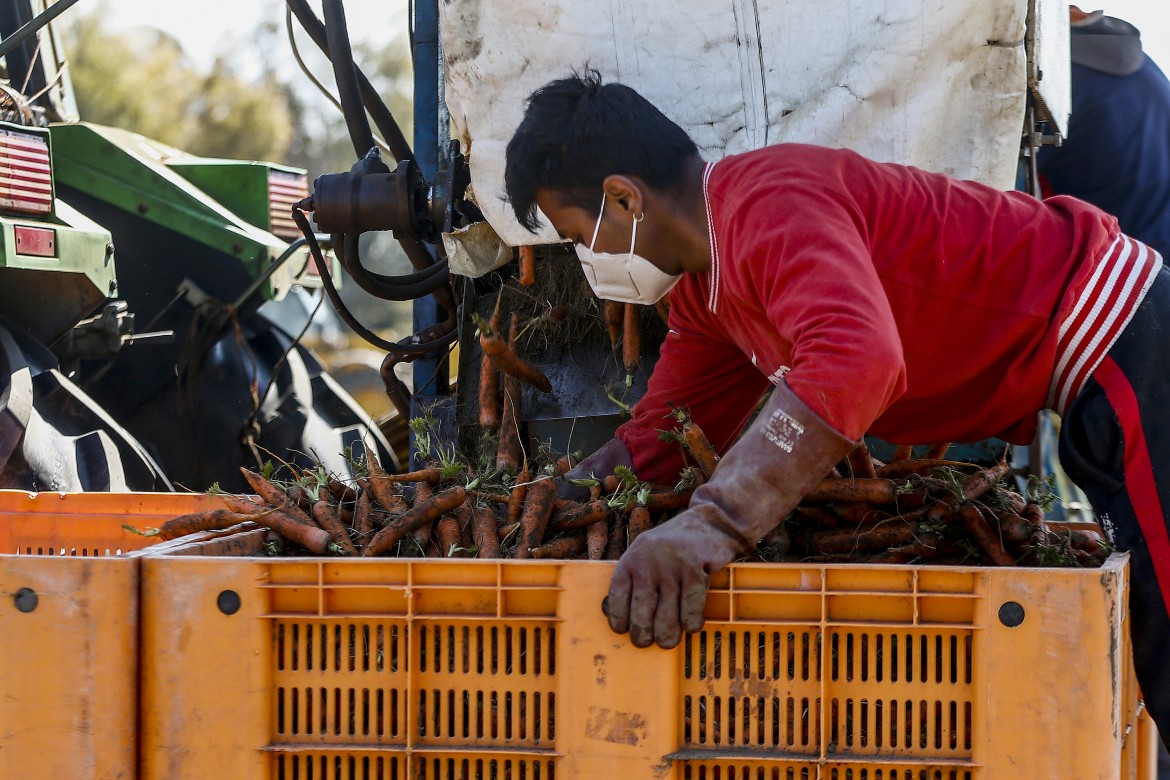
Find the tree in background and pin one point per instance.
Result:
(141, 80)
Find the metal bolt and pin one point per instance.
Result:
(228, 602)
(26, 599)
(1011, 614)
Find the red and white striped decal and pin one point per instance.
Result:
(713, 275)
(26, 178)
(1106, 305)
(285, 189)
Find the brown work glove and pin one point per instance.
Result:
(659, 588)
(600, 464)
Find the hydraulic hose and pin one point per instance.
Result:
(416, 349)
(383, 119)
(345, 73)
(406, 287)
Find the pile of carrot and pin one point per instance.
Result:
(909, 510)
(926, 510)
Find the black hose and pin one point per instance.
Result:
(406, 287)
(387, 126)
(345, 73)
(417, 349)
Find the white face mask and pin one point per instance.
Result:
(627, 278)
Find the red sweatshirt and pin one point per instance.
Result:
(892, 301)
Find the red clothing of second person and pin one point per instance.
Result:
(892, 301)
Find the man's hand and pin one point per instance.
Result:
(659, 588)
(600, 464)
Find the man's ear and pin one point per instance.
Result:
(627, 192)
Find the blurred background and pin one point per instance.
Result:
(219, 78)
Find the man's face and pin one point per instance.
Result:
(576, 224)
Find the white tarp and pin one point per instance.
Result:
(938, 84)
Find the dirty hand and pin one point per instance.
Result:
(600, 464)
(659, 588)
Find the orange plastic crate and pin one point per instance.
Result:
(390, 669)
(69, 630)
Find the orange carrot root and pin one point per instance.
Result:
(418, 515)
(527, 266)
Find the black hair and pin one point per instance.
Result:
(577, 131)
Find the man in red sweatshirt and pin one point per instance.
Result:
(871, 298)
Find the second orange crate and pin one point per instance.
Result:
(69, 630)
(395, 669)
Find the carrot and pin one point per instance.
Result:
(363, 521)
(449, 529)
(209, 520)
(421, 513)
(816, 516)
(383, 492)
(902, 452)
(505, 531)
(538, 507)
(639, 522)
(848, 540)
(527, 266)
(483, 524)
(503, 356)
(579, 516)
(973, 486)
(519, 491)
(860, 462)
(489, 394)
(246, 505)
(487, 495)
(1014, 527)
(565, 547)
(596, 537)
(927, 546)
(564, 464)
(617, 540)
(936, 451)
(342, 492)
(614, 315)
(631, 340)
(273, 495)
(873, 491)
(611, 484)
(422, 534)
(858, 513)
(981, 532)
(328, 519)
(921, 466)
(430, 475)
(300, 497)
(669, 499)
(311, 537)
(508, 451)
(700, 448)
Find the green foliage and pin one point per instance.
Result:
(250, 102)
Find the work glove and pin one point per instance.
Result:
(659, 588)
(601, 464)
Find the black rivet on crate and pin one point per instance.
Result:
(228, 602)
(1011, 614)
(26, 599)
